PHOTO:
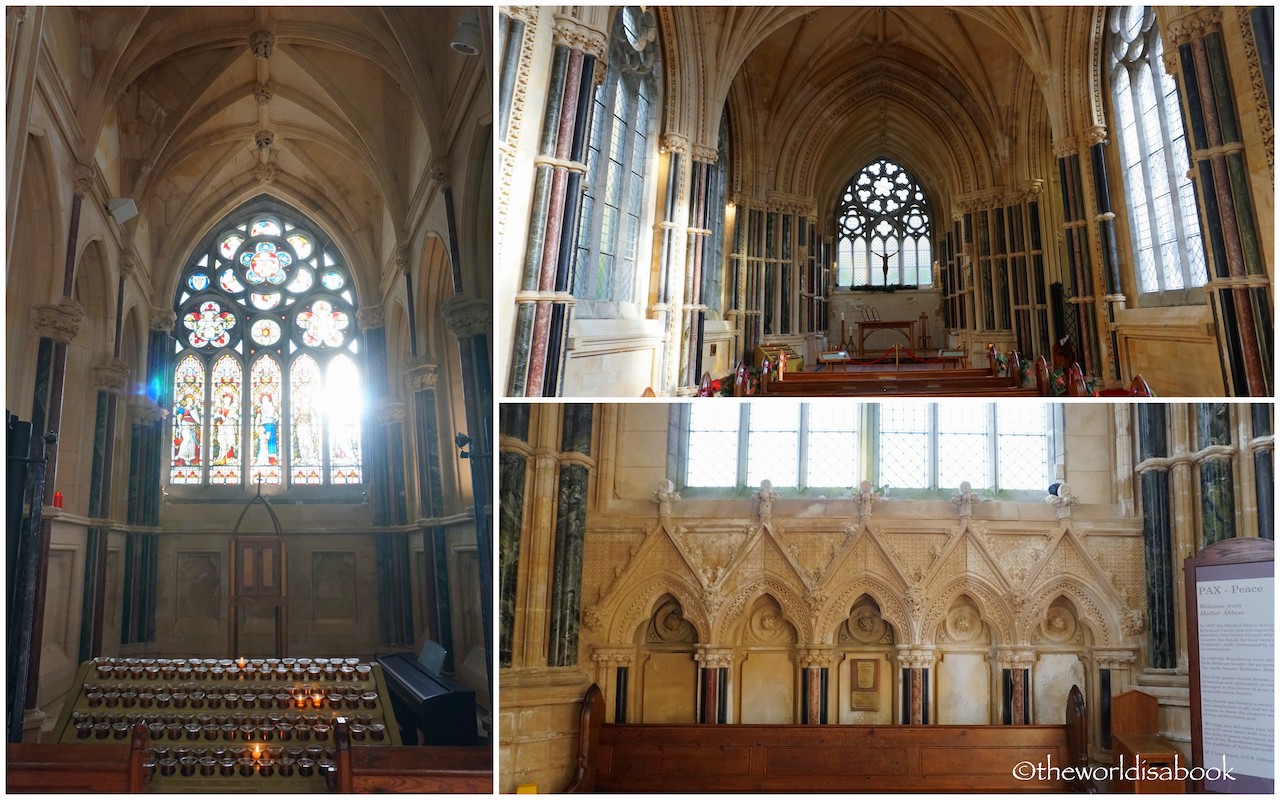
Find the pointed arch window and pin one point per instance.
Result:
(267, 386)
(624, 121)
(883, 229)
(1164, 228)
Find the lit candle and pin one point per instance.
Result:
(317, 699)
(240, 663)
(257, 752)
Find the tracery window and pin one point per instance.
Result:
(622, 129)
(918, 447)
(882, 229)
(1164, 228)
(266, 387)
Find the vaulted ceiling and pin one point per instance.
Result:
(190, 111)
(956, 94)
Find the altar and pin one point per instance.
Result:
(907, 327)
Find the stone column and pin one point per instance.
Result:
(1078, 281)
(1262, 444)
(141, 548)
(391, 548)
(815, 665)
(1104, 220)
(613, 667)
(110, 380)
(915, 663)
(1217, 484)
(671, 265)
(513, 457)
(1197, 59)
(571, 524)
(471, 323)
(420, 379)
(1153, 474)
(713, 683)
(1114, 670)
(1184, 517)
(546, 275)
(697, 259)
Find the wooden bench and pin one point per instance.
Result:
(411, 769)
(77, 768)
(823, 758)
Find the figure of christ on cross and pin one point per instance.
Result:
(884, 263)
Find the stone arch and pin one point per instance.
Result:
(1100, 613)
(892, 609)
(432, 286)
(735, 612)
(988, 599)
(644, 599)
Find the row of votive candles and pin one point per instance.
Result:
(195, 697)
(245, 761)
(231, 731)
(227, 669)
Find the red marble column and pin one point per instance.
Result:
(917, 696)
(1019, 712)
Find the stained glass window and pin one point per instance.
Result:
(266, 376)
(882, 229)
(917, 447)
(1164, 228)
(618, 158)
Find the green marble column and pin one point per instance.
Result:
(1217, 486)
(1157, 536)
(571, 524)
(1264, 470)
(513, 424)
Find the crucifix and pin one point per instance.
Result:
(884, 264)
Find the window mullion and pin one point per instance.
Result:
(802, 449)
(744, 436)
(993, 447)
(933, 447)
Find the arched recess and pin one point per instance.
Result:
(887, 597)
(1062, 638)
(964, 672)
(92, 347)
(433, 284)
(766, 680)
(665, 644)
(791, 604)
(986, 597)
(1097, 608)
(866, 642)
(644, 599)
(38, 240)
(1083, 65)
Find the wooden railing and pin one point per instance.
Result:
(826, 758)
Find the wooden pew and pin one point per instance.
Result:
(411, 769)
(824, 758)
(77, 768)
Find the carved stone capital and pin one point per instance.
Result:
(163, 319)
(613, 656)
(705, 153)
(82, 178)
(1195, 25)
(262, 43)
(1031, 189)
(128, 263)
(1066, 146)
(713, 657)
(571, 33)
(1096, 134)
(916, 659)
(262, 92)
(523, 13)
(466, 318)
(797, 205)
(264, 139)
(143, 411)
(673, 143)
(1114, 659)
(60, 322)
(419, 377)
(111, 377)
(390, 412)
(370, 317)
(401, 259)
(814, 657)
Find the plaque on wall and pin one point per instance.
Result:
(1230, 589)
(864, 674)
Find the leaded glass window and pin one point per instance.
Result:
(267, 388)
(624, 121)
(1164, 228)
(883, 229)
(917, 447)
